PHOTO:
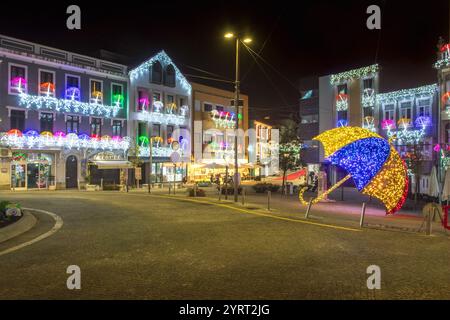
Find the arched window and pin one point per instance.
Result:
(170, 76)
(156, 72)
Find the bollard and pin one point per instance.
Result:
(220, 192)
(127, 187)
(308, 208)
(149, 188)
(269, 195)
(243, 196)
(195, 189)
(429, 224)
(363, 213)
(78, 184)
(170, 189)
(101, 184)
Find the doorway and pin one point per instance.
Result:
(71, 172)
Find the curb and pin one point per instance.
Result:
(23, 225)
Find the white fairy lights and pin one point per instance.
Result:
(405, 94)
(165, 60)
(68, 105)
(354, 74)
(70, 141)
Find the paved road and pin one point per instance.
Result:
(136, 246)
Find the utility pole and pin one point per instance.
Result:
(236, 104)
(151, 165)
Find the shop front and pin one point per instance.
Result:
(32, 170)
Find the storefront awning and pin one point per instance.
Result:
(112, 164)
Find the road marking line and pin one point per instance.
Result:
(263, 214)
(56, 227)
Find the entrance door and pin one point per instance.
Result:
(71, 172)
(18, 176)
(33, 175)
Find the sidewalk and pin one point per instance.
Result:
(335, 211)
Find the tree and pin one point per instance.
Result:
(289, 149)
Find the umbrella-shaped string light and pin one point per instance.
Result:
(373, 163)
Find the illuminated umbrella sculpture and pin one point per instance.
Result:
(373, 163)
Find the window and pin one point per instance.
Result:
(17, 79)
(368, 83)
(342, 115)
(96, 127)
(311, 118)
(170, 99)
(17, 120)
(170, 76)
(72, 124)
(424, 108)
(72, 88)
(182, 102)
(219, 108)
(207, 107)
(389, 112)
(46, 83)
(143, 101)
(117, 128)
(406, 110)
(156, 72)
(46, 121)
(142, 129)
(117, 97)
(156, 96)
(169, 134)
(367, 112)
(342, 88)
(156, 130)
(96, 94)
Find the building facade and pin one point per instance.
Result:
(214, 123)
(61, 113)
(160, 119)
(309, 126)
(264, 148)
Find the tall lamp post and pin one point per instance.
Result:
(230, 35)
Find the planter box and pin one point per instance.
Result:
(92, 187)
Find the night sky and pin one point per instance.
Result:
(299, 39)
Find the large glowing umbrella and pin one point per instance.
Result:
(371, 161)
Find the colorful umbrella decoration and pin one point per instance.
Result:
(373, 163)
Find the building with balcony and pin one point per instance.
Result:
(214, 123)
(63, 117)
(263, 149)
(160, 119)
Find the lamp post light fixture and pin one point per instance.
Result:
(246, 40)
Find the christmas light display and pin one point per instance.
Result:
(19, 84)
(372, 163)
(420, 92)
(73, 93)
(388, 124)
(341, 102)
(342, 123)
(71, 106)
(368, 98)
(223, 119)
(354, 74)
(162, 118)
(406, 135)
(31, 139)
(165, 60)
(47, 88)
(369, 123)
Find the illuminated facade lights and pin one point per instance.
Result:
(424, 91)
(165, 60)
(368, 98)
(31, 139)
(70, 106)
(223, 119)
(341, 102)
(354, 74)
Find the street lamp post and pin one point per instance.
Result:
(236, 104)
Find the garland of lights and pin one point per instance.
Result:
(72, 105)
(33, 140)
(165, 60)
(368, 98)
(223, 119)
(162, 118)
(341, 102)
(354, 74)
(369, 123)
(423, 91)
(371, 161)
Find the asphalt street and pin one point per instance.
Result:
(138, 246)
